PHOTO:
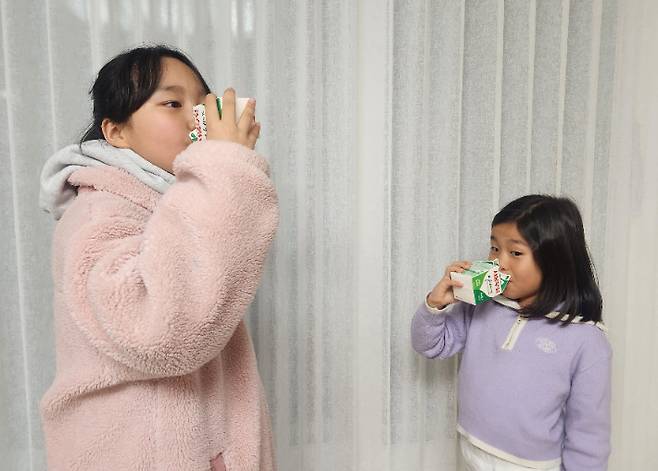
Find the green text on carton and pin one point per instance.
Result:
(482, 281)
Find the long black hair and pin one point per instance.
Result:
(126, 82)
(553, 228)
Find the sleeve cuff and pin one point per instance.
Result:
(434, 310)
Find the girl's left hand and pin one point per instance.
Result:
(245, 131)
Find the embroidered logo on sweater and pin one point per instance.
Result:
(546, 345)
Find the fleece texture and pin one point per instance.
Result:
(155, 367)
(531, 391)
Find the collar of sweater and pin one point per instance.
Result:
(57, 191)
(551, 315)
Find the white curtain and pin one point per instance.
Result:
(395, 130)
(631, 256)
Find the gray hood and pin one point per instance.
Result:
(56, 193)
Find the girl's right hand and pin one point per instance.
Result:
(441, 295)
(245, 131)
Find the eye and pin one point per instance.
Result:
(172, 104)
(493, 249)
(516, 254)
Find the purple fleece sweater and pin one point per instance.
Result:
(532, 391)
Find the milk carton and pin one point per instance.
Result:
(200, 125)
(482, 281)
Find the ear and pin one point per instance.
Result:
(114, 133)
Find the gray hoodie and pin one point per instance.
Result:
(56, 193)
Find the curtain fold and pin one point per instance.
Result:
(395, 130)
(631, 278)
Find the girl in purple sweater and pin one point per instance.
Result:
(534, 380)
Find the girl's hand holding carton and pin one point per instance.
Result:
(481, 282)
(472, 282)
(226, 118)
(442, 294)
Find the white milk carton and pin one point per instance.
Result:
(482, 281)
(200, 125)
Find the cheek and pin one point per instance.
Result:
(534, 276)
(166, 138)
(165, 128)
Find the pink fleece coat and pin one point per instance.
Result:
(155, 368)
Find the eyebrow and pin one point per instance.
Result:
(514, 241)
(179, 89)
(171, 88)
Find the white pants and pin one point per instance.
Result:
(477, 459)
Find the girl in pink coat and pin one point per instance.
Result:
(157, 254)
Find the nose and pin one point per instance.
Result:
(502, 263)
(190, 119)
